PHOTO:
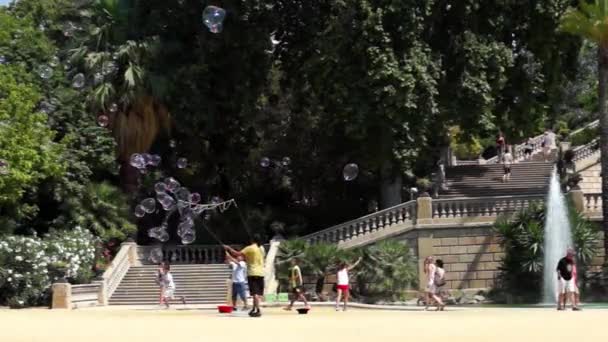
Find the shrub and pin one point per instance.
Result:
(386, 271)
(29, 264)
(464, 147)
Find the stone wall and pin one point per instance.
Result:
(592, 181)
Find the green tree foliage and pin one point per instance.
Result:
(26, 144)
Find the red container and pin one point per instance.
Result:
(224, 308)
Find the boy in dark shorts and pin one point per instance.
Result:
(295, 281)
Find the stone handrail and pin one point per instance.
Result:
(518, 152)
(592, 124)
(185, 254)
(585, 151)
(402, 213)
(480, 207)
(85, 295)
(117, 270)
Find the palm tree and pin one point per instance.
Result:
(590, 21)
(125, 89)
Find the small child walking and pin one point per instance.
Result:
(296, 282)
(343, 286)
(159, 278)
(168, 286)
(507, 162)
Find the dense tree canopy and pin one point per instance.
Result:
(375, 82)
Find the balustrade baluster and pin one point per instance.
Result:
(373, 227)
(399, 215)
(391, 214)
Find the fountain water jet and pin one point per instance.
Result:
(557, 237)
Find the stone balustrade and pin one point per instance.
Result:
(185, 254)
(593, 204)
(403, 214)
(480, 208)
(518, 153)
(586, 151)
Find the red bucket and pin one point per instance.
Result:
(224, 309)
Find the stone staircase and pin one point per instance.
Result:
(199, 283)
(527, 178)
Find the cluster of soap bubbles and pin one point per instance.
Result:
(142, 161)
(267, 162)
(174, 198)
(213, 18)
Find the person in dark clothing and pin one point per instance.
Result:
(565, 268)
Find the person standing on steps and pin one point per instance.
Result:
(500, 145)
(548, 144)
(296, 282)
(528, 148)
(239, 271)
(343, 285)
(565, 268)
(254, 257)
(507, 162)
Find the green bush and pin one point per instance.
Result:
(29, 265)
(464, 147)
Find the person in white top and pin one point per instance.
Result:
(507, 162)
(431, 285)
(342, 287)
(548, 143)
(239, 279)
(168, 286)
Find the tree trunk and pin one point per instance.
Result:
(603, 82)
(390, 186)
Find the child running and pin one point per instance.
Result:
(297, 290)
(239, 271)
(342, 286)
(168, 286)
(159, 278)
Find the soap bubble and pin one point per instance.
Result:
(154, 160)
(108, 68)
(160, 188)
(47, 107)
(195, 198)
(140, 211)
(350, 172)
(155, 255)
(188, 237)
(213, 17)
(286, 161)
(163, 236)
(149, 205)
(166, 201)
(2, 59)
(183, 194)
(54, 62)
(3, 167)
(113, 108)
(216, 200)
(265, 162)
(155, 232)
(172, 143)
(103, 120)
(137, 161)
(182, 163)
(45, 72)
(172, 184)
(78, 81)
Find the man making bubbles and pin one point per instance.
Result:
(565, 277)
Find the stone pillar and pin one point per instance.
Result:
(424, 209)
(270, 280)
(132, 252)
(62, 295)
(229, 292)
(578, 198)
(425, 249)
(102, 295)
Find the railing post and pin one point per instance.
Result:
(578, 199)
(132, 252)
(102, 295)
(62, 295)
(424, 209)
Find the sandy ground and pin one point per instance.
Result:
(321, 324)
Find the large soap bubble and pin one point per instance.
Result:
(140, 211)
(78, 81)
(265, 162)
(213, 18)
(149, 205)
(2, 59)
(160, 188)
(44, 71)
(3, 167)
(103, 120)
(188, 236)
(182, 163)
(138, 161)
(172, 184)
(156, 255)
(350, 172)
